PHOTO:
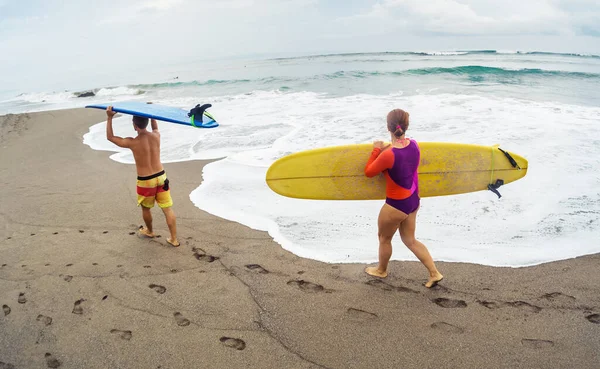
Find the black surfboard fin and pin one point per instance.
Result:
(198, 111)
(494, 187)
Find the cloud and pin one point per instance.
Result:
(81, 39)
(479, 17)
(160, 4)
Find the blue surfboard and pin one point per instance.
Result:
(159, 112)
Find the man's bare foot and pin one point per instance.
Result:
(144, 232)
(173, 243)
(374, 271)
(434, 280)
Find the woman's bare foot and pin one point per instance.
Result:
(434, 280)
(144, 232)
(374, 271)
(173, 243)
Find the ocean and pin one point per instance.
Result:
(544, 106)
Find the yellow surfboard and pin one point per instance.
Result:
(337, 173)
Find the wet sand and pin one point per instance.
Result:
(80, 289)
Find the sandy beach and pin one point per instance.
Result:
(80, 289)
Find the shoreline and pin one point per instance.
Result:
(232, 297)
(15, 119)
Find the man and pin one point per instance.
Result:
(152, 182)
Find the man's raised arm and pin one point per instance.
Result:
(119, 141)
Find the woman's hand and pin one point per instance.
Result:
(380, 145)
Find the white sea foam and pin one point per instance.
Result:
(551, 214)
(40, 101)
(118, 91)
(445, 53)
(43, 97)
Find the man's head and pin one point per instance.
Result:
(140, 123)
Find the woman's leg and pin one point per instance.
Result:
(407, 233)
(388, 223)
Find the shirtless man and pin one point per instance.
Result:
(152, 182)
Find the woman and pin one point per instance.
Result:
(399, 164)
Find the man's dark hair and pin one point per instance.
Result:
(140, 122)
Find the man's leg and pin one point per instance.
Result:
(165, 202)
(172, 224)
(147, 215)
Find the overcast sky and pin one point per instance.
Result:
(51, 36)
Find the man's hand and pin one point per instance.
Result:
(119, 141)
(109, 112)
(154, 125)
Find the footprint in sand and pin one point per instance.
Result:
(257, 268)
(46, 320)
(517, 304)
(446, 327)
(68, 265)
(536, 344)
(525, 305)
(147, 266)
(235, 343)
(51, 361)
(594, 318)
(105, 297)
(126, 335)
(77, 308)
(490, 304)
(307, 286)
(449, 303)
(22, 298)
(105, 232)
(131, 233)
(55, 233)
(557, 296)
(158, 288)
(33, 234)
(6, 309)
(181, 321)
(388, 287)
(201, 255)
(559, 300)
(4, 365)
(67, 278)
(360, 315)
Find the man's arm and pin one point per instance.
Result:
(154, 125)
(119, 141)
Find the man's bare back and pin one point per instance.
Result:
(146, 152)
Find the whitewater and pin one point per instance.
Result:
(542, 106)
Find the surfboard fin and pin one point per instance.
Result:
(198, 111)
(494, 187)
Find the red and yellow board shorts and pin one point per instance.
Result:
(154, 188)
